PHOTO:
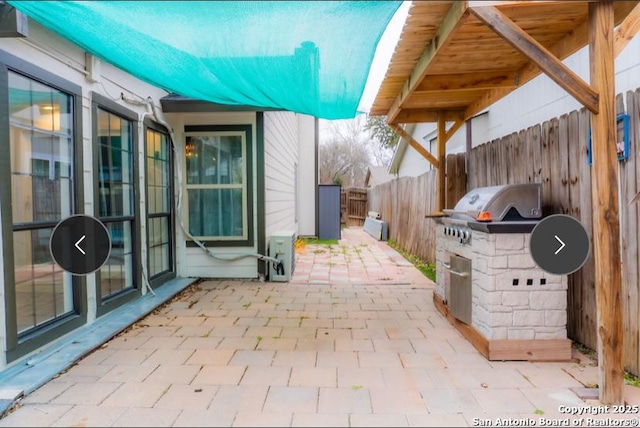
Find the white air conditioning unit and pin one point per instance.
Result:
(282, 247)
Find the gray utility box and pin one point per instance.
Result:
(329, 211)
(282, 246)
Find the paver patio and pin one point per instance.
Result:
(353, 340)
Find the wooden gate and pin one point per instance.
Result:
(353, 206)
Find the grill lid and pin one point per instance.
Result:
(509, 202)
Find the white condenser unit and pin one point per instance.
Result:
(282, 247)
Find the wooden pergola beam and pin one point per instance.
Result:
(423, 115)
(510, 3)
(417, 146)
(538, 54)
(469, 81)
(626, 30)
(445, 31)
(606, 220)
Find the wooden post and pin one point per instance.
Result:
(442, 154)
(604, 195)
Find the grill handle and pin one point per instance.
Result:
(447, 266)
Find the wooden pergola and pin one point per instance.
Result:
(454, 59)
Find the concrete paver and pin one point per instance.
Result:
(353, 340)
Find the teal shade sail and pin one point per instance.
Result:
(309, 57)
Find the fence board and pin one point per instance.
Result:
(629, 239)
(546, 166)
(563, 198)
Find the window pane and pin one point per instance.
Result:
(43, 290)
(164, 227)
(216, 212)
(214, 160)
(41, 152)
(115, 199)
(117, 273)
(159, 194)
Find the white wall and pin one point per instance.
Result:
(413, 163)
(193, 261)
(307, 175)
(281, 152)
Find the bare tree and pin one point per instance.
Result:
(346, 150)
(343, 162)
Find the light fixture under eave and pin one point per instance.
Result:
(189, 149)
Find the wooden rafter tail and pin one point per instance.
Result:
(538, 54)
(417, 146)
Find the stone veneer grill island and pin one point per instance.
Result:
(508, 307)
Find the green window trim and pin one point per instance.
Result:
(160, 277)
(246, 132)
(111, 302)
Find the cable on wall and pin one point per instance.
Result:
(158, 117)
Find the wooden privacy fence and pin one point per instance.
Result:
(353, 206)
(403, 203)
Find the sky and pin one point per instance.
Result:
(383, 54)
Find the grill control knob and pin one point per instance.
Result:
(446, 230)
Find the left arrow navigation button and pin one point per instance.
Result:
(78, 245)
(84, 234)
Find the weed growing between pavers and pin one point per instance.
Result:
(427, 269)
(315, 241)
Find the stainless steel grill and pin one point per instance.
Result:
(495, 209)
(510, 202)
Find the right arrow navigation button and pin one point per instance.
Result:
(559, 244)
(562, 245)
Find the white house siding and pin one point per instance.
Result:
(193, 261)
(307, 175)
(280, 156)
(413, 163)
(45, 50)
